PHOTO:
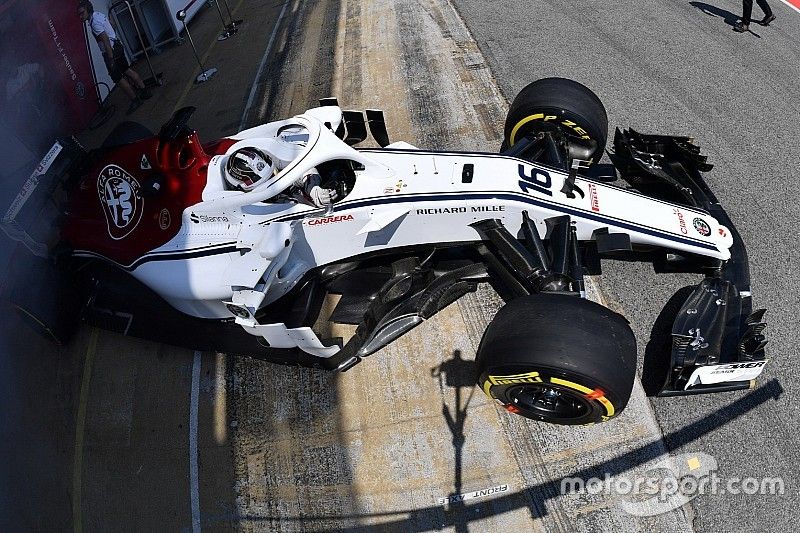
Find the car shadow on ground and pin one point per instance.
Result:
(410, 520)
(461, 375)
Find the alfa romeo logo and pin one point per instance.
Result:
(702, 227)
(122, 203)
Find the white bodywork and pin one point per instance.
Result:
(714, 374)
(237, 252)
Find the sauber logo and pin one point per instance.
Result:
(328, 220)
(47, 160)
(122, 204)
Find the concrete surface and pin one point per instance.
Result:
(386, 444)
(117, 433)
(95, 435)
(677, 68)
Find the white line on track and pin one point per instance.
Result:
(259, 72)
(193, 471)
(793, 4)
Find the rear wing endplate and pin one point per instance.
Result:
(31, 216)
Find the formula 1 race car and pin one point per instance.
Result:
(157, 241)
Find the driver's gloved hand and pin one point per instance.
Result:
(321, 197)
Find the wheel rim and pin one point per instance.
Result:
(549, 402)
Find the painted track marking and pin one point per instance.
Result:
(80, 425)
(251, 98)
(193, 470)
(794, 4)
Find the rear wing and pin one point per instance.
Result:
(33, 216)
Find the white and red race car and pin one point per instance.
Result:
(156, 243)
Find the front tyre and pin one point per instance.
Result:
(557, 104)
(559, 359)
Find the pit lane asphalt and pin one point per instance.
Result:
(677, 68)
(122, 491)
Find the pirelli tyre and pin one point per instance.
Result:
(557, 103)
(558, 358)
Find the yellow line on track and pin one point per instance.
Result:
(79, 429)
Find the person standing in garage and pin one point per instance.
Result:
(114, 55)
(747, 10)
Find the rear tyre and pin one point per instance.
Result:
(48, 302)
(558, 359)
(125, 133)
(557, 103)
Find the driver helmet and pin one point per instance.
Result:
(246, 166)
